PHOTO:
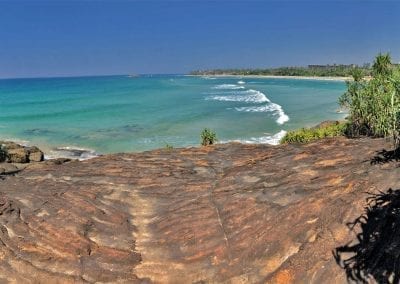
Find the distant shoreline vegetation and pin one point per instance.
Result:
(309, 71)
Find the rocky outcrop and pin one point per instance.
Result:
(228, 213)
(14, 157)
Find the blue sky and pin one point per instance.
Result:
(72, 38)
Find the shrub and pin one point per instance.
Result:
(208, 137)
(168, 146)
(374, 105)
(3, 154)
(306, 135)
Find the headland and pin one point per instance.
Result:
(225, 213)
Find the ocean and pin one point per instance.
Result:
(85, 116)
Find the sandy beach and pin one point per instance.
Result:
(342, 79)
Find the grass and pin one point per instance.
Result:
(306, 135)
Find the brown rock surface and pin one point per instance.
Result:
(35, 154)
(227, 213)
(16, 153)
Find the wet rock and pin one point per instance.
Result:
(227, 213)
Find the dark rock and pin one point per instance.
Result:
(226, 213)
(58, 161)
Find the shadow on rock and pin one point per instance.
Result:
(375, 254)
(385, 156)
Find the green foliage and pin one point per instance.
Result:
(208, 137)
(319, 71)
(168, 146)
(382, 65)
(374, 105)
(3, 154)
(306, 135)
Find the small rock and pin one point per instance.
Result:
(35, 155)
(58, 161)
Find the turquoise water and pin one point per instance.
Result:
(120, 113)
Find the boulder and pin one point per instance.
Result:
(15, 153)
(18, 155)
(35, 154)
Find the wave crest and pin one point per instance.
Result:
(271, 107)
(228, 87)
(268, 139)
(248, 96)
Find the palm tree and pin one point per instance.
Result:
(382, 64)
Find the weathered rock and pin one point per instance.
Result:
(15, 153)
(35, 154)
(59, 161)
(18, 155)
(227, 213)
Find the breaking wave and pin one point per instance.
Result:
(271, 107)
(228, 87)
(268, 139)
(71, 153)
(249, 96)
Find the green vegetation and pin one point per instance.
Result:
(311, 71)
(3, 154)
(306, 135)
(374, 105)
(208, 137)
(169, 147)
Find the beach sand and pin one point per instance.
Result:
(342, 79)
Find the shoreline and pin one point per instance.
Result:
(316, 78)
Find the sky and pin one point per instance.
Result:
(79, 38)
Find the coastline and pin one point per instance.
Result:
(340, 79)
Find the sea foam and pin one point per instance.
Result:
(228, 87)
(271, 107)
(72, 153)
(249, 96)
(267, 139)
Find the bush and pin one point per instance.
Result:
(208, 137)
(169, 147)
(374, 105)
(3, 154)
(306, 135)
